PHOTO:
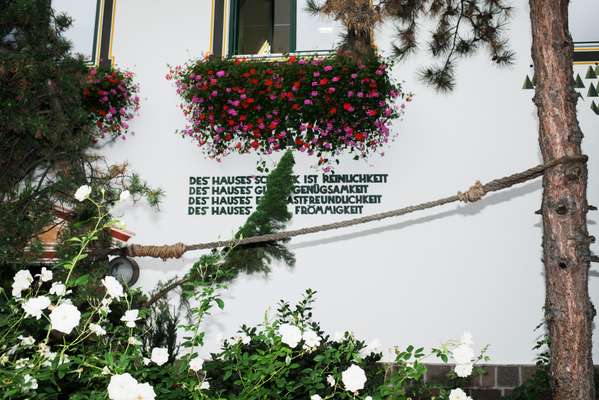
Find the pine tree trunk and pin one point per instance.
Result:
(566, 254)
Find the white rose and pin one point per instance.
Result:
(29, 383)
(58, 288)
(21, 363)
(372, 347)
(97, 329)
(146, 361)
(205, 385)
(45, 275)
(338, 337)
(290, 335)
(463, 354)
(463, 370)
(331, 380)
(196, 364)
(83, 192)
(244, 338)
(125, 194)
(467, 339)
(315, 397)
(159, 355)
(353, 378)
(65, 317)
(122, 387)
(368, 398)
(4, 359)
(21, 281)
(34, 306)
(144, 391)
(458, 394)
(113, 287)
(130, 317)
(26, 340)
(311, 339)
(133, 341)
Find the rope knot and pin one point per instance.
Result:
(473, 194)
(164, 252)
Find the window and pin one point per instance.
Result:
(91, 30)
(262, 26)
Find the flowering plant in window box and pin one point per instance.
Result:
(111, 96)
(323, 106)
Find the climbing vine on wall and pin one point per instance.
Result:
(325, 107)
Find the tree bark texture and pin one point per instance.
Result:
(566, 242)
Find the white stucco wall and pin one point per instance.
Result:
(419, 279)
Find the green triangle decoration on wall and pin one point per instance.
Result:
(594, 107)
(592, 92)
(591, 74)
(597, 70)
(578, 84)
(528, 84)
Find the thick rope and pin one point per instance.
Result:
(473, 194)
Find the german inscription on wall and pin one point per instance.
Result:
(325, 194)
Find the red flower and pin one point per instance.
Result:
(359, 136)
(268, 82)
(228, 137)
(324, 81)
(299, 141)
(348, 107)
(295, 106)
(249, 100)
(333, 110)
(255, 144)
(371, 113)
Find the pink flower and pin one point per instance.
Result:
(220, 73)
(328, 68)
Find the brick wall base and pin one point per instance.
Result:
(496, 382)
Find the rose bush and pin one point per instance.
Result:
(55, 344)
(323, 106)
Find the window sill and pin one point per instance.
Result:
(280, 56)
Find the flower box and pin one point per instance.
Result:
(110, 95)
(325, 106)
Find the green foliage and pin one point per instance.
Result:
(271, 216)
(460, 30)
(261, 363)
(43, 125)
(47, 130)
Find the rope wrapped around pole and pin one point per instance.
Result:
(473, 194)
